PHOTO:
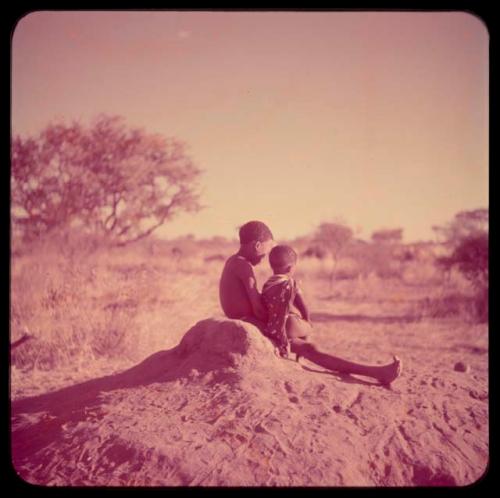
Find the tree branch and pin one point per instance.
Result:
(142, 235)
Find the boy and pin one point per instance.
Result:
(241, 300)
(238, 292)
(289, 331)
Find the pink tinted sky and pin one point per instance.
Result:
(377, 119)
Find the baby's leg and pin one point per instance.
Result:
(384, 374)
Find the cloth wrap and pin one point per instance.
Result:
(278, 294)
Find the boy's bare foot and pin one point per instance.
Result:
(391, 372)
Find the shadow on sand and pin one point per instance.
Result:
(37, 421)
(346, 378)
(163, 366)
(159, 366)
(208, 347)
(330, 317)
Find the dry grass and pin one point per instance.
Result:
(80, 303)
(110, 303)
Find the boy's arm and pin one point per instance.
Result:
(300, 304)
(249, 282)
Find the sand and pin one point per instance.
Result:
(221, 409)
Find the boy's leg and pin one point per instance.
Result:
(384, 374)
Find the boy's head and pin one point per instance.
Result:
(256, 238)
(282, 259)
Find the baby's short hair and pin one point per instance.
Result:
(254, 231)
(282, 256)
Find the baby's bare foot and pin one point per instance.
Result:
(391, 372)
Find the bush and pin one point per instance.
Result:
(389, 271)
(481, 305)
(469, 308)
(471, 258)
(346, 274)
(419, 273)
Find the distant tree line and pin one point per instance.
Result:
(465, 236)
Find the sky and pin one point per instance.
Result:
(374, 119)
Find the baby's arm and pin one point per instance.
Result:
(300, 304)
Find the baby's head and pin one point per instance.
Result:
(282, 259)
(256, 239)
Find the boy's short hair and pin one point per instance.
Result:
(254, 231)
(282, 256)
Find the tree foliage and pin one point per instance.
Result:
(107, 178)
(471, 258)
(464, 224)
(333, 237)
(467, 236)
(388, 236)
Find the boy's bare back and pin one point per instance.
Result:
(232, 294)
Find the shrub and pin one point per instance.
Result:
(455, 305)
(471, 258)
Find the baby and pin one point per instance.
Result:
(280, 294)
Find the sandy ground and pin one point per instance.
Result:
(221, 409)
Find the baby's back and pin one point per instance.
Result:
(278, 295)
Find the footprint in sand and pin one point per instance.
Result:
(476, 395)
(241, 412)
(290, 390)
(437, 383)
(262, 430)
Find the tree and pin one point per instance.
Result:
(333, 237)
(108, 179)
(386, 252)
(463, 225)
(471, 258)
(466, 229)
(315, 251)
(467, 238)
(388, 236)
